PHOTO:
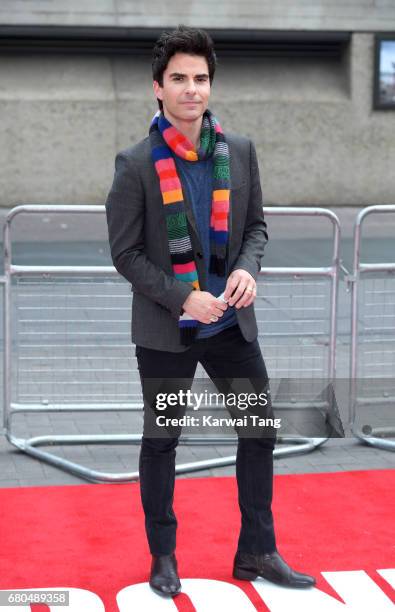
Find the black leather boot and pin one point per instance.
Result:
(164, 578)
(270, 566)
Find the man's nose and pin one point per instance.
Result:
(191, 86)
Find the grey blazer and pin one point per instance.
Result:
(139, 244)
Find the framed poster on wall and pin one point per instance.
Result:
(384, 72)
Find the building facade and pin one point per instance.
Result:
(296, 77)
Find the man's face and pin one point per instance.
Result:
(186, 87)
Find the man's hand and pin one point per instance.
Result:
(240, 289)
(204, 307)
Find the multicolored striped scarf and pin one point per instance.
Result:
(167, 141)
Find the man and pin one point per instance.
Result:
(186, 228)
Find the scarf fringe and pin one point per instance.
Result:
(217, 265)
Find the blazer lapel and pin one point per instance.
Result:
(236, 178)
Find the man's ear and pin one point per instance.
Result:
(157, 90)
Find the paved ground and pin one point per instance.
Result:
(51, 245)
(18, 469)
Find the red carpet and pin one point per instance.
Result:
(92, 537)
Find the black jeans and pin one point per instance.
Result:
(227, 355)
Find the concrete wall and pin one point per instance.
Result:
(354, 15)
(63, 118)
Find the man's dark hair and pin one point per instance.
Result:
(182, 40)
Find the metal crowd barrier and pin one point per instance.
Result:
(57, 361)
(297, 317)
(372, 357)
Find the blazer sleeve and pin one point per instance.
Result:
(125, 209)
(255, 231)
